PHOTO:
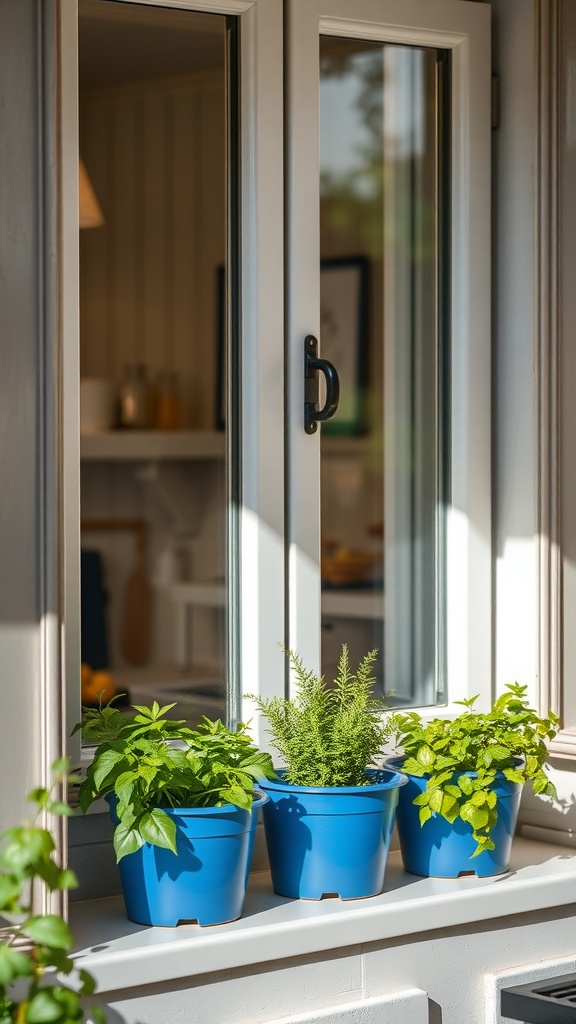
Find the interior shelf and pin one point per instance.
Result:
(346, 604)
(125, 445)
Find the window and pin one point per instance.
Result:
(384, 259)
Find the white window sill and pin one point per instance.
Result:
(122, 955)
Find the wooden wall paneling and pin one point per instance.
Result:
(125, 297)
(185, 185)
(213, 231)
(154, 341)
(95, 351)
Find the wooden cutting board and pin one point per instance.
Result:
(137, 610)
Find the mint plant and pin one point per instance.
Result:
(328, 735)
(511, 739)
(34, 948)
(149, 762)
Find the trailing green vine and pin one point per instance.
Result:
(328, 735)
(34, 948)
(511, 739)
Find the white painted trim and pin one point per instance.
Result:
(302, 318)
(122, 955)
(547, 283)
(407, 1007)
(69, 285)
(262, 369)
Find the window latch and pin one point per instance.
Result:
(313, 364)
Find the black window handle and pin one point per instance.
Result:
(313, 364)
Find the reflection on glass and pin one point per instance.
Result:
(383, 324)
(153, 479)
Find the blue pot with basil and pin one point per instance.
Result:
(185, 806)
(457, 814)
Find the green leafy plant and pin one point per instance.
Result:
(328, 735)
(150, 762)
(34, 948)
(511, 738)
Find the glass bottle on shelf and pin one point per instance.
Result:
(134, 397)
(168, 408)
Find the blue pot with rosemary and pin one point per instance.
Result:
(331, 811)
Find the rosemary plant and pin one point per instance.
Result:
(328, 735)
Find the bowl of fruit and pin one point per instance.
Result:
(346, 566)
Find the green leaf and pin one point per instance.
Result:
(25, 847)
(126, 840)
(60, 808)
(436, 797)
(465, 784)
(43, 1007)
(67, 879)
(13, 965)
(479, 818)
(498, 752)
(98, 1015)
(450, 808)
(87, 981)
(484, 843)
(424, 814)
(61, 766)
(513, 775)
(104, 765)
(466, 811)
(238, 797)
(453, 791)
(48, 930)
(10, 889)
(413, 767)
(426, 757)
(39, 796)
(158, 828)
(422, 800)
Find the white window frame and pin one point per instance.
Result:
(260, 530)
(464, 29)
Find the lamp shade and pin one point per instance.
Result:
(90, 214)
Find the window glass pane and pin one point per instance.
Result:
(384, 268)
(153, 130)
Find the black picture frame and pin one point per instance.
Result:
(344, 320)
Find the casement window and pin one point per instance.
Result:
(244, 213)
(266, 172)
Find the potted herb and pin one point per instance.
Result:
(185, 810)
(330, 816)
(34, 947)
(458, 813)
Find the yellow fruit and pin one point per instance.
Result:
(100, 685)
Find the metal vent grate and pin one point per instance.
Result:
(553, 1002)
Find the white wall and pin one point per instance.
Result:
(453, 967)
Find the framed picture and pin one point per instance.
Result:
(344, 337)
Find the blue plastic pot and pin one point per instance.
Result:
(206, 880)
(443, 850)
(330, 841)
